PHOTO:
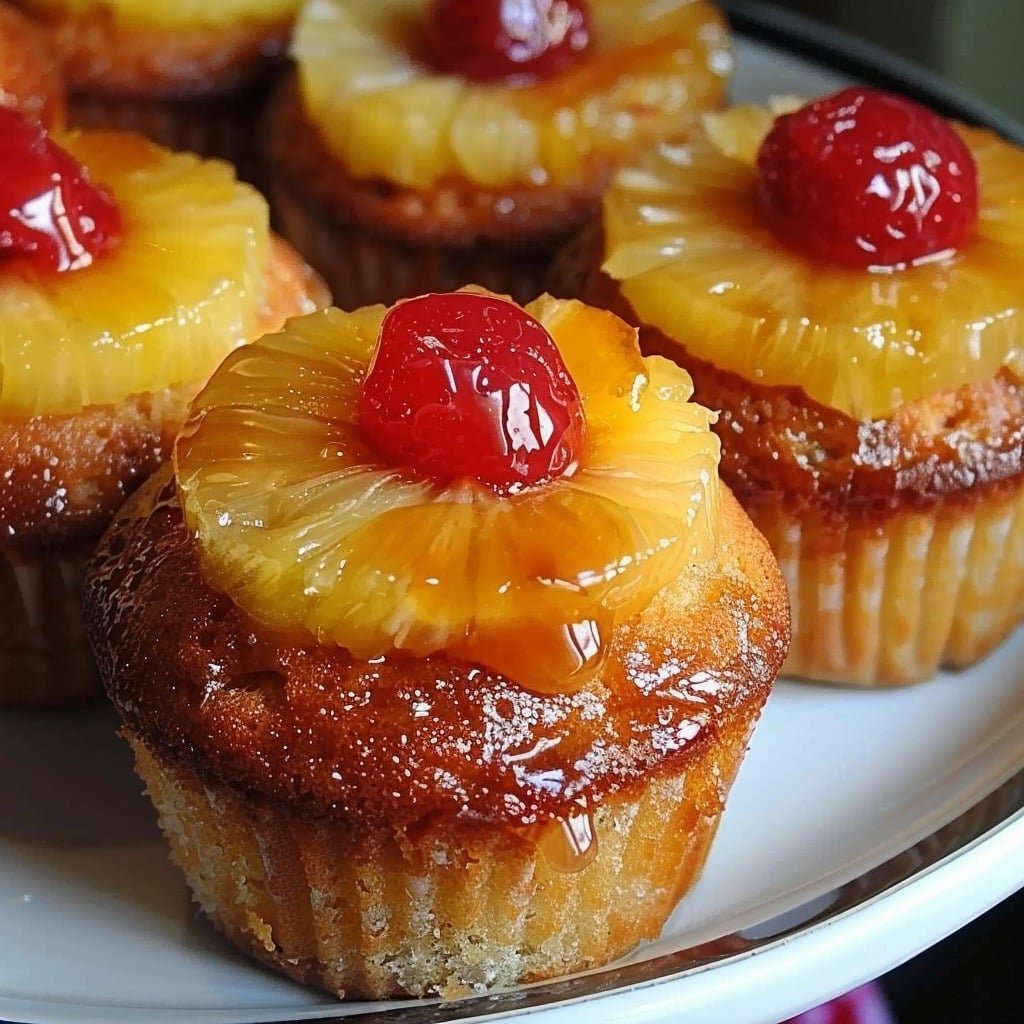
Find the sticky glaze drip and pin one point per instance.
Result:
(569, 844)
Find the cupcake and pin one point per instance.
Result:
(128, 272)
(30, 79)
(439, 672)
(191, 76)
(843, 282)
(421, 146)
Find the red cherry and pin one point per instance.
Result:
(507, 40)
(469, 385)
(49, 209)
(867, 179)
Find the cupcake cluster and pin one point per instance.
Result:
(439, 619)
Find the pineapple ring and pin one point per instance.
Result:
(387, 115)
(181, 289)
(176, 14)
(694, 258)
(300, 523)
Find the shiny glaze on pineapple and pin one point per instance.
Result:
(299, 520)
(411, 739)
(694, 51)
(453, 211)
(695, 257)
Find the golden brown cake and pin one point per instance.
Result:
(403, 736)
(872, 417)
(30, 79)
(400, 165)
(191, 76)
(99, 360)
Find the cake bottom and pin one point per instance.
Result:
(45, 659)
(451, 908)
(363, 265)
(889, 604)
(226, 127)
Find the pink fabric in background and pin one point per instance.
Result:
(864, 1005)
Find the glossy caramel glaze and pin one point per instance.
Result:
(454, 212)
(408, 740)
(30, 79)
(781, 448)
(62, 477)
(99, 55)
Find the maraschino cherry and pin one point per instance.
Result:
(868, 179)
(515, 41)
(50, 212)
(464, 384)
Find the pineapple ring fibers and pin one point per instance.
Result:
(181, 289)
(173, 14)
(694, 259)
(300, 523)
(386, 114)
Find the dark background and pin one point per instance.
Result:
(977, 975)
(975, 43)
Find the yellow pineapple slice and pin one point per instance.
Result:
(181, 289)
(687, 244)
(380, 108)
(171, 14)
(307, 531)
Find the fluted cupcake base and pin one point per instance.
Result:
(363, 265)
(225, 127)
(369, 910)
(45, 659)
(891, 604)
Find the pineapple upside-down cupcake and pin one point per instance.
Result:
(126, 273)
(844, 283)
(441, 645)
(189, 75)
(425, 145)
(30, 79)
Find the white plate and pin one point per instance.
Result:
(95, 925)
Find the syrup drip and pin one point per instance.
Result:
(569, 845)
